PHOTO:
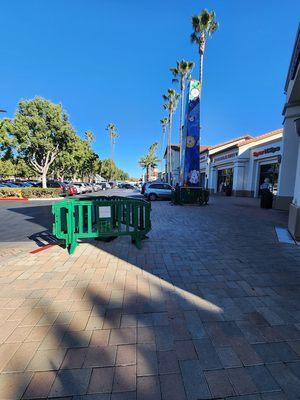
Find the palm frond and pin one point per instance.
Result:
(194, 38)
(195, 22)
(174, 71)
(203, 24)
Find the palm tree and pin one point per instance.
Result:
(150, 160)
(171, 98)
(183, 72)
(164, 123)
(89, 136)
(204, 25)
(112, 131)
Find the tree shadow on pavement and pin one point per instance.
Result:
(128, 325)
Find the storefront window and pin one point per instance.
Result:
(225, 179)
(269, 171)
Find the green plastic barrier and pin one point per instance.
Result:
(190, 195)
(101, 217)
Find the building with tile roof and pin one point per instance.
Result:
(239, 165)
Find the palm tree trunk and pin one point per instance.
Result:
(169, 146)
(181, 123)
(201, 69)
(201, 53)
(162, 148)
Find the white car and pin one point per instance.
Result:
(80, 187)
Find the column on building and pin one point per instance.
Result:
(213, 179)
(239, 177)
(287, 174)
(294, 209)
(207, 172)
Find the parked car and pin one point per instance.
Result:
(113, 184)
(105, 185)
(71, 189)
(24, 183)
(143, 187)
(127, 186)
(9, 184)
(89, 187)
(81, 188)
(56, 185)
(95, 187)
(155, 191)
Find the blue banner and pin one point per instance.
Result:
(190, 164)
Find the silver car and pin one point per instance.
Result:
(156, 191)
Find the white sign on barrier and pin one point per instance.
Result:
(104, 212)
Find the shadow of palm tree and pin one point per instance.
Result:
(143, 320)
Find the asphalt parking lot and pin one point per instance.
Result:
(31, 221)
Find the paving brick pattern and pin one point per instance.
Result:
(208, 309)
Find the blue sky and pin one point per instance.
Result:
(108, 61)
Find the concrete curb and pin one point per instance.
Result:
(12, 198)
(46, 198)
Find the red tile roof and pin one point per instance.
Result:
(236, 142)
(263, 136)
(238, 139)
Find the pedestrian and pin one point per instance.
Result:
(266, 200)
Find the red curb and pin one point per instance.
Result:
(38, 250)
(13, 198)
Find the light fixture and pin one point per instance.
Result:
(297, 125)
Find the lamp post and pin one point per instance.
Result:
(2, 111)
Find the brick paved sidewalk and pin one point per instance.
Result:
(208, 309)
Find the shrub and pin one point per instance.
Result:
(30, 192)
(10, 192)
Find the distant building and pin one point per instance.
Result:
(153, 175)
(175, 168)
(175, 161)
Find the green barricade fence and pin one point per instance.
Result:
(190, 195)
(101, 217)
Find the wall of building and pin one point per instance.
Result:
(175, 168)
(287, 174)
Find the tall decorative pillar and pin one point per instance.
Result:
(190, 160)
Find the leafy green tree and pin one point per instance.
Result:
(110, 171)
(23, 169)
(181, 73)
(122, 175)
(150, 160)
(113, 135)
(204, 25)
(6, 140)
(7, 168)
(171, 99)
(42, 130)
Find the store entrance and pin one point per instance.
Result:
(270, 171)
(225, 179)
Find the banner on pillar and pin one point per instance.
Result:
(190, 163)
